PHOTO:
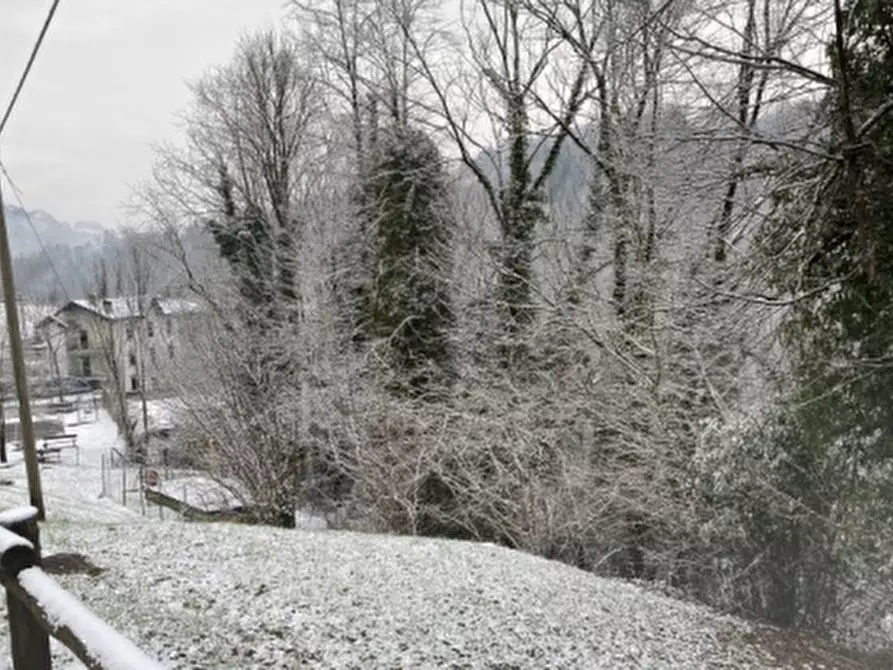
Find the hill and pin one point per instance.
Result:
(233, 596)
(221, 596)
(23, 241)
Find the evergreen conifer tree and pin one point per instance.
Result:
(409, 302)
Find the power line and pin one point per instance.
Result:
(29, 448)
(15, 96)
(17, 193)
(17, 353)
(27, 70)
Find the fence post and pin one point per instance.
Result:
(29, 642)
(124, 483)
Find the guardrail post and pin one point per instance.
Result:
(29, 642)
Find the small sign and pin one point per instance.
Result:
(152, 478)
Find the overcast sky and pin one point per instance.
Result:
(106, 86)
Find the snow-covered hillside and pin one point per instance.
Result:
(227, 596)
(230, 596)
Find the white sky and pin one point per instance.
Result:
(107, 84)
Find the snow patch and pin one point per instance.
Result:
(9, 540)
(17, 515)
(202, 493)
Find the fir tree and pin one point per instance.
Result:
(839, 247)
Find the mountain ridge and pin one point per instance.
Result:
(52, 258)
(27, 229)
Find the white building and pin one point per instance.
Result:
(131, 342)
(169, 335)
(101, 341)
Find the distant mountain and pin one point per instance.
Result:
(23, 241)
(72, 251)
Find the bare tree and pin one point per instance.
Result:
(137, 269)
(109, 337)
(247, 173)
(487, 83)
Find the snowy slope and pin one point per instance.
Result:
(221, 596)
(231, 596)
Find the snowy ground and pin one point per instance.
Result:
(70, 492)
(230, 596)
(221, 596)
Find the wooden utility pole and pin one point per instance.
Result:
(2, 423)
(32, 468)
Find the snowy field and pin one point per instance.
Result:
(224, 596)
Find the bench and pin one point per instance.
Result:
(49, 454)
(51, 447)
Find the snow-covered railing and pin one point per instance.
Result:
(39, 608)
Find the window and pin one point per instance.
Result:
(134, 383)
(132, 359)
(129, 333)
(150, 328)
(86, 370)
(85, 340)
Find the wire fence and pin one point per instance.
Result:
(125, 481)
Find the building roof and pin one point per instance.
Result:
(47, 320)
(128, 307)
(113, 309)
(177, 306)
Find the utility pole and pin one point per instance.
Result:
(2, 423)
(32, 468)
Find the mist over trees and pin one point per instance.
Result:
(603, 280)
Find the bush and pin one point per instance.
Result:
(795, 537)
